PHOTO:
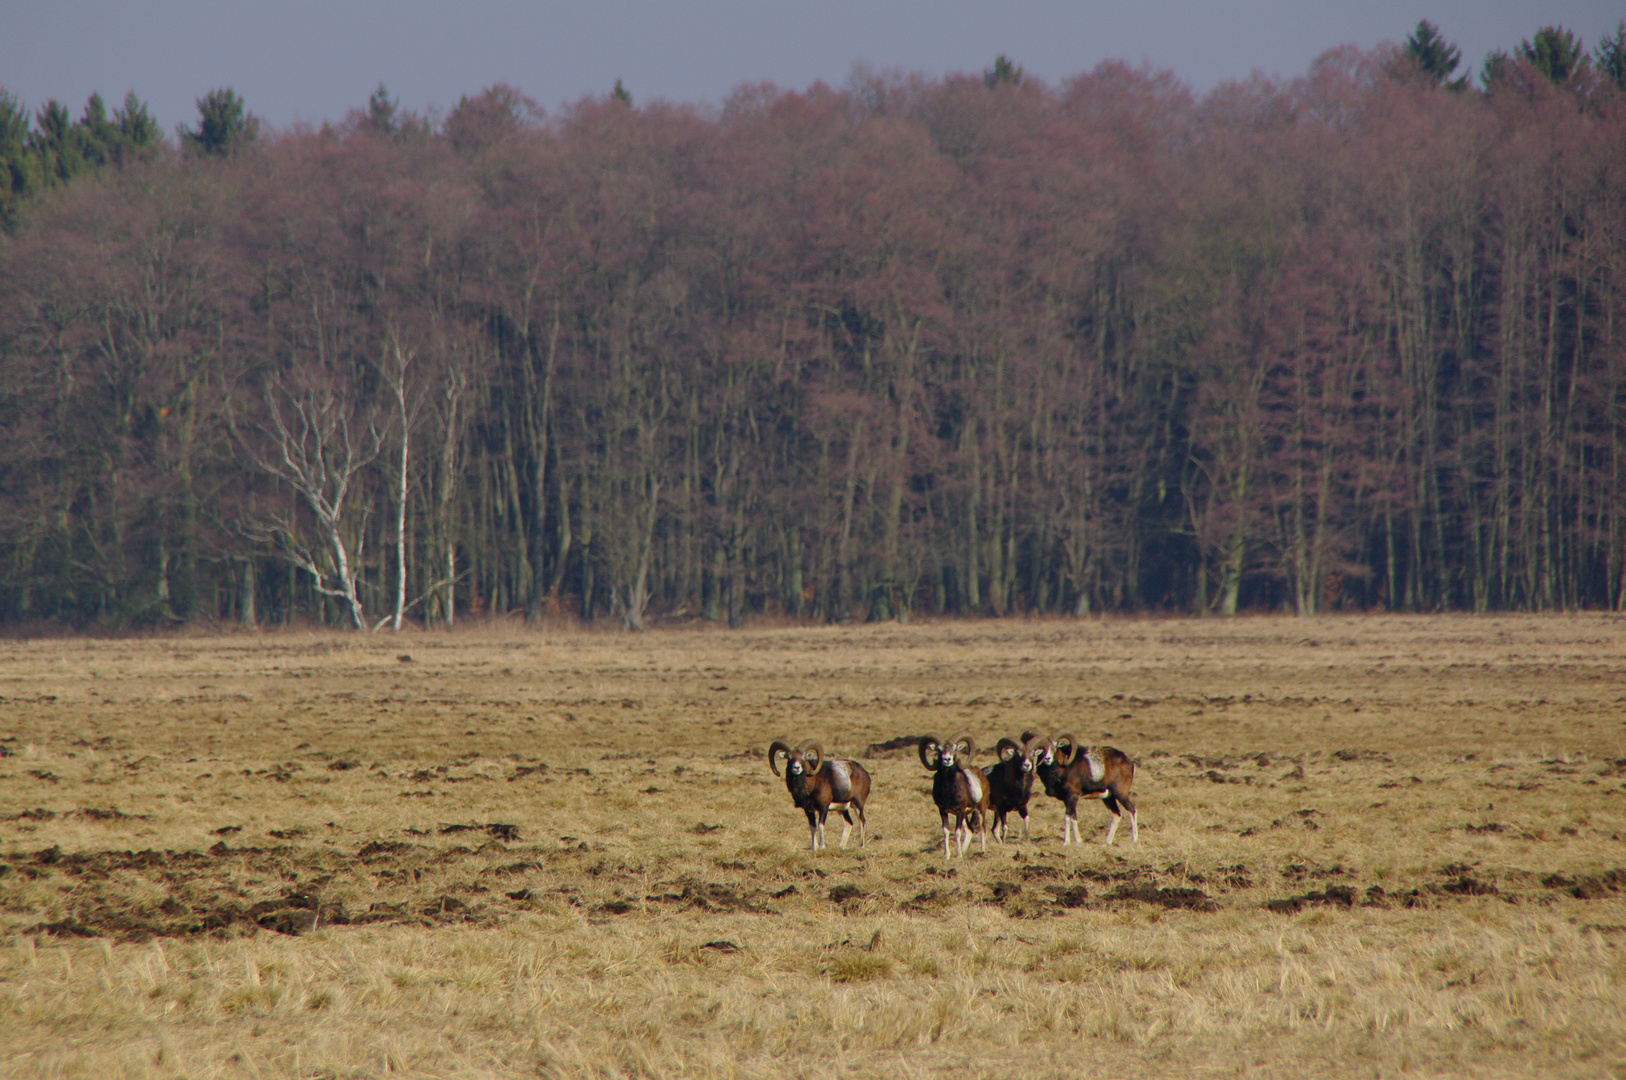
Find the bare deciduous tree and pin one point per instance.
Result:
(314, 439)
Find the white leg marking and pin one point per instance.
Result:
(1112, 829)
(845, 829)
(1134, 827)
(946, 843)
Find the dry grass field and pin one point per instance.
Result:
(1373, 846)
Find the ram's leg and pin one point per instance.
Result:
(1134, 825)
(846, 827)
(1111, 804)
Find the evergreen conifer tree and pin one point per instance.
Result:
(224, 125)
(1434, 56)
(1611, 57)
(1003, 72)
(1555, 52)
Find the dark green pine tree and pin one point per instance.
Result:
(381, 109)
(1003, 73)
(1555, 52)
(1434, 56)
(1611, 57)
(620, 94)
(224, 125)
(136, 126)
(58, 145)
(19, 169)
(100, 141)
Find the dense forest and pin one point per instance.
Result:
(970, 345)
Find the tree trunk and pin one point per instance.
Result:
(638, 595)
(399, 387)
(245, 597)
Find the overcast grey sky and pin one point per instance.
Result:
(297, 60)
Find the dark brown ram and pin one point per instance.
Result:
(959, 789)
(1070, 772)
(819, 785)
(1010, 780)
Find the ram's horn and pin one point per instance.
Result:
(929, 743)
(1031, 744)
(777, 747)
(1008, 743)
(812, 746)
(970, 744)
(1069, 741)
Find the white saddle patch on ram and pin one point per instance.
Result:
(1098, 768)
(973, 780)
(841, 782)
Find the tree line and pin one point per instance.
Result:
(973, 345)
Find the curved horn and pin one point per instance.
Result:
(777, 747)
(1069, 741)
(1031, 743)
(812, 746)
(964, 739)
(1029, 736)
(929, 743)
(1008, 743)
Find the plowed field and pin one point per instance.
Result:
(1385, 844)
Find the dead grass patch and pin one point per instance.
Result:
(562, 854)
